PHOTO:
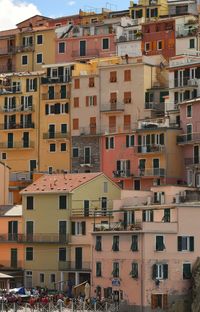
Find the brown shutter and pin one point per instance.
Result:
(154, 301)
(93, 125)
(87, 100)
(127, 97)
(127, 75)
(91, 82)
(165, 301)
(112, 123)
(113, 76)
(76, 102)
(113, 97)
(75, 124)
(95, 100)
(77, 83)
(127, 122)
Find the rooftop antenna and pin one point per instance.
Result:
(111, 6)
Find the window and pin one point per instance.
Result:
(91, 82)
(91, 100)
(159, 45)
(189, 110)
(39, 58)
(166, 217)
(29, 202)
(27, 41)
(62, 202)
(147, 46)
(105, 43)
(160, 246)
(185, 243)
(31, 85)
(50, 170)
(115, 245)
(189, 132)
(78, 228)
(98, 246)
(76, 101)
(130, 140)
(134, 270)
(113, 76)
(3, 156)
(115, 271)
(75, 152)
(63, 128)
(86, 207)
(98, 269)
(187, 272)
(53, 278)
(41, 277)
(52, 147)
(29, 253)
(39, 39)
(123, 168)
(63, 147)
(109, 142)
(127, 97)
(105, 187)
(62, 254)
(61, 47)
(24, 59)
(76, 83)
(160, 271)
(192, 44)
(159, 301)
(147, 215)
(75, 124)
(127, 75)
(134, 243)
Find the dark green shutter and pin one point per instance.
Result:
(27, 85)
(179, 242)
(83, 228)
(73, 228)
(47, 109)
(127, 141)
(165, 271)
(191, 243)
(154, 270)
(106, 143)
(35, 84)
(125, 219)
(132, 140)
(162, 142)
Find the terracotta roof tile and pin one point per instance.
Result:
(59, 183)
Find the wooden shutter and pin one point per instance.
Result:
(118, 165)
(162, 139)
(83, 227)
(112, 123)
(113, 97)
(127, 97)
(76, 83)
(107, 142)
(113, 76)
(154, 301)
(91, 82)
(165, 301)
(127, 121)
(35, 84)
(27, 85)
(179, 242)
(165, 271)
(66, 108)
(76, 102)
(47, 109)
(127, 75)
(75, 124)
(125, 219)
(95, 100)
(87, 100)
(154, 271)
(127, 140)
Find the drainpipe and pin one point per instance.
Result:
(142, 273)
(39, 117)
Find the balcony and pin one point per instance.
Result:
(150, 149)
(186, 30)
(154, 106)
(26, 48)
(192, 161)
(86, 161)
(122, 174)
(13, 126)
(7, 68)
(17, 145)
(54, 96)
(129, 37)
(54, 80)
(55, 135)
(8, 50)
(151, 172)
(88, 53)
(185, 82)
(20, 176)
(6, 265)
(189, 138)
(73, 266)
(112, 107)
(34, 238)
(91, 130)
(117, 226)
(19, 108)
(10, 89)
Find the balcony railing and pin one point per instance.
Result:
(182, 31)
(7, 68)
(188, 138)
(10, 265)
(7, 50)
(117, 226)
(86, 160)
(122, 174)
(192, 161)
(17, 125)
(53, 80)
(151, 172)
(54, 96)
(185, 82)
(88, 53)
(92, 130)
(129, 37)
(10, 89)
(18, 108)
(35, 238)
(154, 105)
(112, 107)
(55, 135)
(25, 48)
(150, 149)
(73, 266)
(17, 145)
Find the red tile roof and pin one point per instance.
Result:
(59, 183)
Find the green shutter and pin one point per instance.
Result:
(154, 271)
(191, 243)
(73, 228)
(179, 242)
(165, 271)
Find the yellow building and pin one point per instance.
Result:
(148, 9)
(54, 118)
(58, 247)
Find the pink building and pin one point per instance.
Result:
(144, 256)
(84, 42)
(189, 141)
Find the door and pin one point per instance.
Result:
(78, 258)
(13, 258)
(82, 48)
(156, 167)
(104, 206)
(142, 166)
(29, 231)
(25, 139)
(10, 140)
(87, 155)
(62, 231)
(12, 230)
(51, 131)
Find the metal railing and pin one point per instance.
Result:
(20, 176)
(192, 161)
(88, 53)
(17, 125)
(191, 30)
(54, 96)
(151, 148)
(18, 108)
(55, 135)
(122, 174)
(10, 265)
(72, 265)
(10, 89)
(154, 105)
(188, 138)
(112, 107)
(185, 82)
(19, 145)
(53, 80)
(7, 50)
(35, 238)
(24, 48)
(117, 226)
(151, 172)
(7, 68)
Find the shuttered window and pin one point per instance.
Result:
(75, 124)
(76, 102)
(127, 75)
(76, 83)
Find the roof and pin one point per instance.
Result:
(10, 210)
(59, 183)
(5, 276)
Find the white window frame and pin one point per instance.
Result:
(37, 57)
(54, 69)
(109, 140)
(189, 105)
(78, 228)
(159, 271)
(31, 85)
(187, 242)
(105, 187)
(50, 149)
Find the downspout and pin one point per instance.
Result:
(142, 273)
(39, 117)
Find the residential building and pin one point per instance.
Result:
(8, 50)
(148, 9)
(182, 7)
(4, 184)
(149, 247)
(12, 250)
(189, 140)
(59, 248)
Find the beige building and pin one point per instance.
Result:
(4, 183)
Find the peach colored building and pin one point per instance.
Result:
(143, 257)
(4, 183)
